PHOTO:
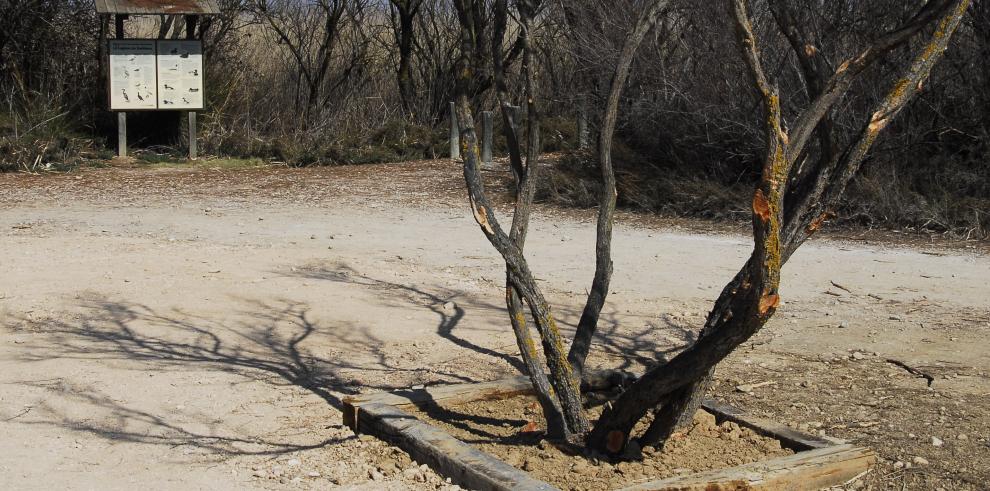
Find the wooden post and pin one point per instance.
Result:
(191, 21)
(118, 23)
(121, 134)
(192, 135)
(455, 135)
(514, 115)
(101, 62)
(487, 129)
(582, 123)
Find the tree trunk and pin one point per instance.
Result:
(753, 294)
(564, 383)
(606, 207)
(407, 11)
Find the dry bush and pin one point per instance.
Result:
(945, 196)
(37, 134)
(686, 142)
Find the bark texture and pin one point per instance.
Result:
(751, 298)
(558, 386)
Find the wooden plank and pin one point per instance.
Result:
(461, 393)
(144, 7)
(789, 437)
(823, 462)
(810, 470)
(596, 380)
(462, 463)
(457, 393)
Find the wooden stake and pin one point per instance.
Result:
(514, 116)
(582, 123)
(487, 128)
(455, 135)
(192, 135)
(121, 134)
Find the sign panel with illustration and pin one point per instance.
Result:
(133, 83)
(180, 74)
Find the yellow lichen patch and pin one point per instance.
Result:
(520, 318)
(899, 90)
(761, 207)
(768, 302)
(530, 345)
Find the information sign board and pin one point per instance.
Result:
(180, 74)
(146, 74)
(133, 83)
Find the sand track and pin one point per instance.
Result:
(197, 328)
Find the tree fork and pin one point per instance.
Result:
(797, 227)
(753, 303)
(564, 381)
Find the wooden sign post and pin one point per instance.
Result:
(156, 74)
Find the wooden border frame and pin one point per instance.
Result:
(819, 462)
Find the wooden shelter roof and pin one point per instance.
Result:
(158, 7)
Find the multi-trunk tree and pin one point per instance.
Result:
(800, 185)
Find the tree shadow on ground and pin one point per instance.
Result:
(120, 422)
(277, 341)
(444, 305)
(269, 341)
(630, 349)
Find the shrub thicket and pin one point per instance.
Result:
(287, 85)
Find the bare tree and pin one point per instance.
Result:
(606, 207)
(789, 204)
(554, 376)
(313, 35)
(752, 297)
(404, 14)
(558, 387)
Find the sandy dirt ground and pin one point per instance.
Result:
(197, 328)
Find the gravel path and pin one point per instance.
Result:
(186, 329)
